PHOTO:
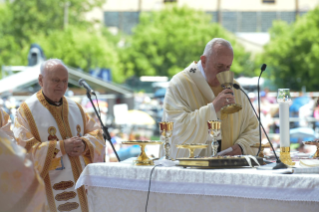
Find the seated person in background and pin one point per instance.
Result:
(61, 138)
(21, 187)
(195, 96)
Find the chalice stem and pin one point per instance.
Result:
(215, 145)
(167, 147)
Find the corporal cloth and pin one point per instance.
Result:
(42, 128)
(188, 103)
(21, 187)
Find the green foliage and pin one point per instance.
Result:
(38, 16)
(24, 22)
(79, 48)
(293, 53)
(166, 41)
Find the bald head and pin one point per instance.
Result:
(217, 57)
(46, 65)
(53, 79)
(209, 49)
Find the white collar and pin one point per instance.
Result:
(200, 67)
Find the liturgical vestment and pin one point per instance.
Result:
(21, 187)
(42, 128)
(188, 103)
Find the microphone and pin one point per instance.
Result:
(278, 164)
(263, 68)
(86, 86)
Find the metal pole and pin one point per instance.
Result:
(219, 13)
(66, 14)
(297, 9)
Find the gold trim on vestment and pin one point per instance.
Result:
(32, 125)
(25, 200)
(49, 193)
(89, 152)
(83, 118)
(30, 144)
(81, 190)
(65, 131)
(48, 159)
(62, 147)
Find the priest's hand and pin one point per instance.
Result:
(236, 150)
(74, 146)
(224, 98)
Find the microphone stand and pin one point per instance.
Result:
(106, 134)
(258, 117)
(278, 164)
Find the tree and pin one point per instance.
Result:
(84, 49)
(293, 52)
(33, 16)
(165, 42)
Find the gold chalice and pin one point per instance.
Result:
(226, 81)
(142, 159)
(166, 129)
(315, 143)
(214, 129)
(191, 148)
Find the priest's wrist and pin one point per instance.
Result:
(241, 149)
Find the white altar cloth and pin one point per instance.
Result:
(123, 187)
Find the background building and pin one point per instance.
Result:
(234, 15)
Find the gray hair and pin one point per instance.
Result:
(49, 63)
(209, 46)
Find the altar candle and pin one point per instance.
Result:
(284, 124)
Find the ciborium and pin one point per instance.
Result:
(315, 143)
(225, 79)
(166, 129)
(142, 159)
(214, 130)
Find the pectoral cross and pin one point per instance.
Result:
(192, 70)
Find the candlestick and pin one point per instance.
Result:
(283, 98)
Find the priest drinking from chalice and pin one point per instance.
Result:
(196, 95)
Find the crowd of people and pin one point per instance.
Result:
(47, 140)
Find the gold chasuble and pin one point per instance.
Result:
(188, 103)
(42, 128)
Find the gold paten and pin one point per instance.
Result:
(263, 146)
(285, 156)
(191, 148)
(142, 159)
(316, 143)
(226, 81)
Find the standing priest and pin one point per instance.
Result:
(195, 96)
(61, 138)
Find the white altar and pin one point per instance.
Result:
(120, 187)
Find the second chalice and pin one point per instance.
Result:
(214, 129)
(225, 79)
(166, 129)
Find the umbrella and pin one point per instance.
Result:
(298, 103)
(137, 117)
(160, 92)
(301, 133)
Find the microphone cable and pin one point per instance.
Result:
(149, 186)
(236, 86)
